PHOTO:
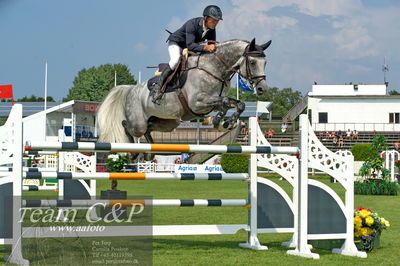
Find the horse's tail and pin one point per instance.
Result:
(111, 114)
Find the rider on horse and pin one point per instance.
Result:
(193, 32)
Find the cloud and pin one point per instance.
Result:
(140, 47)
(358, 69)
(322, 40)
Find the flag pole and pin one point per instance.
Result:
(237, 86)
(115, 79)
(45, 86)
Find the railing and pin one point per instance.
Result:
(297, 109)
(227, 137)
(344, 126)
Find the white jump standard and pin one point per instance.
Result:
(271, 210)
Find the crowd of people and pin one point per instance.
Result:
(339, 137)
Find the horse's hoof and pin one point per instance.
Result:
(216, 121)
(223, 126)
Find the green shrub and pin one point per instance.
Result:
(374, 188)
(235, 163)
(362, 152)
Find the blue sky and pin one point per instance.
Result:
(331, 42)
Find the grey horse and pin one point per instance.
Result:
(127, 112)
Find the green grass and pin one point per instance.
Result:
(223, 249)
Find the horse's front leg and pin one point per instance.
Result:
(240, 106)
(223, 104)
(228, 103)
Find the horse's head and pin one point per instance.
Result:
(251, 66)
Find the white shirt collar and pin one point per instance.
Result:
(205, 29)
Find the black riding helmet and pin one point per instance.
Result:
(213, 11)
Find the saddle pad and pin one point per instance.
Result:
(172, 86)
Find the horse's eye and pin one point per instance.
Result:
(252, 63)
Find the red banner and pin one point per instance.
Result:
(6, 92)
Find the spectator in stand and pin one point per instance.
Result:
(348, 134)
(396, 146)
(335, 140)
(245, 129)
(321, 135)
(340, 141)
(333, 135)
(354, 135)
(339, 133)
(283, 127)
(246, 137)
(271, 133)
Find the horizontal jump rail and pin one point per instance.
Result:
(135, 176)
(39, 188)
(137, 230)
(165, 148)
(135, 202)
(29, 169)
(40, 152)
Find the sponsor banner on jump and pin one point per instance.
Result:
(198, 168)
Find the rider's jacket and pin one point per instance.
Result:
(190, 34)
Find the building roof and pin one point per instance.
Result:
(357, 97)
(31, 108)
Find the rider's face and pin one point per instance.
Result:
(211, 23)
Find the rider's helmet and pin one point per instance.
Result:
(213, 11)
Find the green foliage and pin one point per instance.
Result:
(283, 100)
(394, 92)
(33, 98)
(379, 143)
(94, 83)
(235, 163)
(116, 162)
(397, 164)
(376, 188)
(374, 164)
(362, 152)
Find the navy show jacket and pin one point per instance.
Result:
(189, 35)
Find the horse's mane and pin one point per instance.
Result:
(229, 42)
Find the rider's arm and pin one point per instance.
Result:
(191, 37)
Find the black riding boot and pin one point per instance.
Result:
(157, 93)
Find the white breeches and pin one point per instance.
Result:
(174, 54)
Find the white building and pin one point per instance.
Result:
(74, 118)
(360, 107)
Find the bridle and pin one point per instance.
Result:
(249, 76)
(254, 80)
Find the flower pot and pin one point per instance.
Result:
(330, 244)
(368, 245)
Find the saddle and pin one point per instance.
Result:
(176, 79)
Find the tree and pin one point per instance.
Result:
(394, 92)
(94, 83)
(33, 98)
(282, 100)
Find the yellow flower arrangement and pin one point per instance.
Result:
(369, 221)
(367, 225)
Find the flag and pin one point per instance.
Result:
(6, 92)
(262, 107)
(243, 85)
